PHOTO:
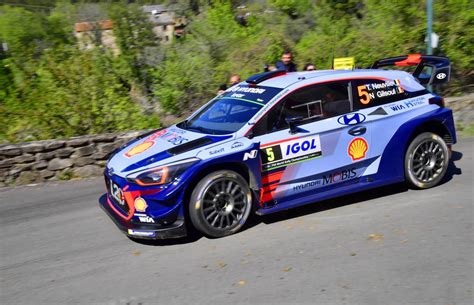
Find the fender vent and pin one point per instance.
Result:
(448, 139)
(189, 146)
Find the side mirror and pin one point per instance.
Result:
(250, 134)
(293, 122)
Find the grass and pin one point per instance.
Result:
(465, 130)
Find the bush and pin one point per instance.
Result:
(49, 88)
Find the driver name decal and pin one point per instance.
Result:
(372, 91)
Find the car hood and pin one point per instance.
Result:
(160, 147)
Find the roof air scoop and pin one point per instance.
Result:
(258, 78)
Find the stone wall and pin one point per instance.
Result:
(463, 109)
(51, 160)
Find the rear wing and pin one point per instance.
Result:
(430, 70)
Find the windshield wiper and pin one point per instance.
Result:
(198, 128)
(183, 124)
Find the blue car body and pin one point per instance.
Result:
(350, 132)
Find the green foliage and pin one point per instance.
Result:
(49, 88)
(133, 33)
(192, 68)
(293, 8)
(74, 93)
(181, 82)
(465, 130)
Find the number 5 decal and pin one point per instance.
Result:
(364, 96)
(270, 154)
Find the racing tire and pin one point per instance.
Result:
(220, 204)
(426, 160)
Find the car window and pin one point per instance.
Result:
(372, 92)
(231, 110)
(311, 103)
(218, 111)
(223, 116)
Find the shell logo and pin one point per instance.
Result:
(138, 149)
(140, 204)
(357, 149)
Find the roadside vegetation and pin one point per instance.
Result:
(465, 130)
(50, 88)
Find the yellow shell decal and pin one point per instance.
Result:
(149, 142)
(138, 149)
(357, 149)
(140, 204)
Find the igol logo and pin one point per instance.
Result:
(351, 119)
(304, 146)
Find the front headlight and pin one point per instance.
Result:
(163, 174)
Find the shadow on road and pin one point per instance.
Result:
(333, 203)
(311, 208)
(453, 170)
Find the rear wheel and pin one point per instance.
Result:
(220, 203)
(426, 160)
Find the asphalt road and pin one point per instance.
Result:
(390, 246)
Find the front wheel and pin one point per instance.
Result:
(220, 203)
(426, 160)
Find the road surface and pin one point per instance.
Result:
(389, 246)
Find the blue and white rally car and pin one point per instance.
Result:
(281, 140)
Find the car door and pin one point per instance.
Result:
(328, 149)
(386, 104)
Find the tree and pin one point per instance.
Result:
(133, 34)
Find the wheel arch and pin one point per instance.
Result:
(434, 126)
(439, 122)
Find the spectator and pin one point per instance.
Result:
(234, 79)
(222, 89)
(309, 67)
(267, 68)
(286, 62)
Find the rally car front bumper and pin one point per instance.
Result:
(176, 229)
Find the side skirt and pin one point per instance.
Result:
(369, 182)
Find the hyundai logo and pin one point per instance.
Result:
(441, 75)
(351, 119)
(110, 171)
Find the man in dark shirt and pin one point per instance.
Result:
(286, 62)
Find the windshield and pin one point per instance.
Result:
(231, 110)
